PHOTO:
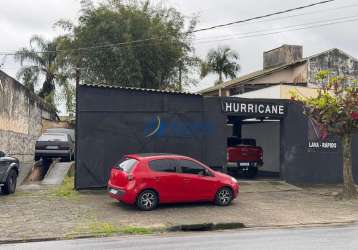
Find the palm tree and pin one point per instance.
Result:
(42, 62)
(28, 77)
(222, 61)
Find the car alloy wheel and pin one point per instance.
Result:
(223, 197)
(10, 184)
(147, 200)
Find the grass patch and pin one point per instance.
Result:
(104, 229)
(66, 190)
(136, 230)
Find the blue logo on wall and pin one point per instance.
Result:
(158, 127)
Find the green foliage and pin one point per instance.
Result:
(103, 229)
(66, 190)
(131, 43)
(222, 61)
(29, 77)
(45, 64)
(107, 229)
(334, 104)
(136, 230)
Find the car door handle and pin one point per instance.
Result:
(156, 178)
(186, 180)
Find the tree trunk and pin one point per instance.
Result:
(180, 78)
(349, 189)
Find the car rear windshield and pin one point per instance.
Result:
(126, 164)
(53, 137)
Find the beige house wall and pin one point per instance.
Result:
(297, 74)
(286, 92)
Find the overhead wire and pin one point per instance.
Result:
(264, 16)
(286, 28)
(194, 31)
(264, 32)
(306, 13)
(280, 31)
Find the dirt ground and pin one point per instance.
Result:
(34, 213)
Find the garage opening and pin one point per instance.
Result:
(254, 141)
(253, 147)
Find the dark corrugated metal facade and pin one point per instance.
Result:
(114, 121)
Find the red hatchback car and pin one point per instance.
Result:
(149, 179)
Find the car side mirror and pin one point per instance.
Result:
(2, 154)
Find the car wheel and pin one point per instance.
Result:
(147, 200)
(10, 184)
(67, 158)
(251, 172)
(37, 158)
(223, 196)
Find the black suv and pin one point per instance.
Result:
(9, 170)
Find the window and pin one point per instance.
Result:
(164, 165)
(190, 167)
(53, 137)
(126, 164)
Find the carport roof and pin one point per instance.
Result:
(140, 89)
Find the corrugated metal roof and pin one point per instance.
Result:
(140, 89)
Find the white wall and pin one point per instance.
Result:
(267, 135)
(273, 92)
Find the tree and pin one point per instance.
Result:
(335, 108)
(42, 62)
(131, 44)
(222, 61)
(28, 77)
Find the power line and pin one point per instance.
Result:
(263, 16)
(315, 23)
(282, 31)
(262, 33)
(309, 13)
(86, 48)
(194, 31)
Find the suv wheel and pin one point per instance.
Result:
(223, 196)
(251, 172)
(10, 184)
(37, 158)
(147, 200)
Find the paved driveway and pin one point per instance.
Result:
(260, 204)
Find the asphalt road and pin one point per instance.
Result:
(338, 237)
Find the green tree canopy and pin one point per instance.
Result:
(131, 44)
(222, 61)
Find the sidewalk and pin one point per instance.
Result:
(40, 215)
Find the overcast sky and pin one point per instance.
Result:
(20, 19)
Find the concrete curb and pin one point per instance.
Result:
(189, 228)
(206, 227)
(6, 242)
